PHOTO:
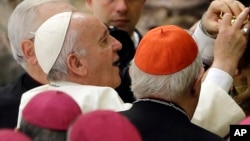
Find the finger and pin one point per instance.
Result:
(226, 20)
(241, 5)
(245, 30)
(241, 19)
(231, 6)
(221, 6)
(235, 6)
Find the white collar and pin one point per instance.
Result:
(135, 38)
(62, 83)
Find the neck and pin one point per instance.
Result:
(37, 74)
(188, 104)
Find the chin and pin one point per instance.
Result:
(117, 83)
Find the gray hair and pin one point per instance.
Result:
(22, 22)
(164, 86)
(42, 134)
(59, 70)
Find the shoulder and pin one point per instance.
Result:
(11, 92)
(12, 86)
(199, 133)
(87, 90)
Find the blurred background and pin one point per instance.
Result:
(156, 12)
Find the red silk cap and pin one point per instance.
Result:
(165, 50)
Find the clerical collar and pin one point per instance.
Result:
(135, 38)
(169, 104)
(62, 83)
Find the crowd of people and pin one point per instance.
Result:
(93, 76)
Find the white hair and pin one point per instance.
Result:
(59, 70)
(164, 86)
(22, 22)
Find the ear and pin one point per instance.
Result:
(75, 65)
(28, 49)
(197, 84)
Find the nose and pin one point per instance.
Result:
(116, 44)
(121, 6)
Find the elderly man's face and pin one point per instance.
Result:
(101, 53)
(124, 14)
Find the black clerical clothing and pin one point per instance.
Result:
(126, 54)
(10, 96)
(162, 121)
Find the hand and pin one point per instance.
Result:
(231, 42)
(210, 19)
